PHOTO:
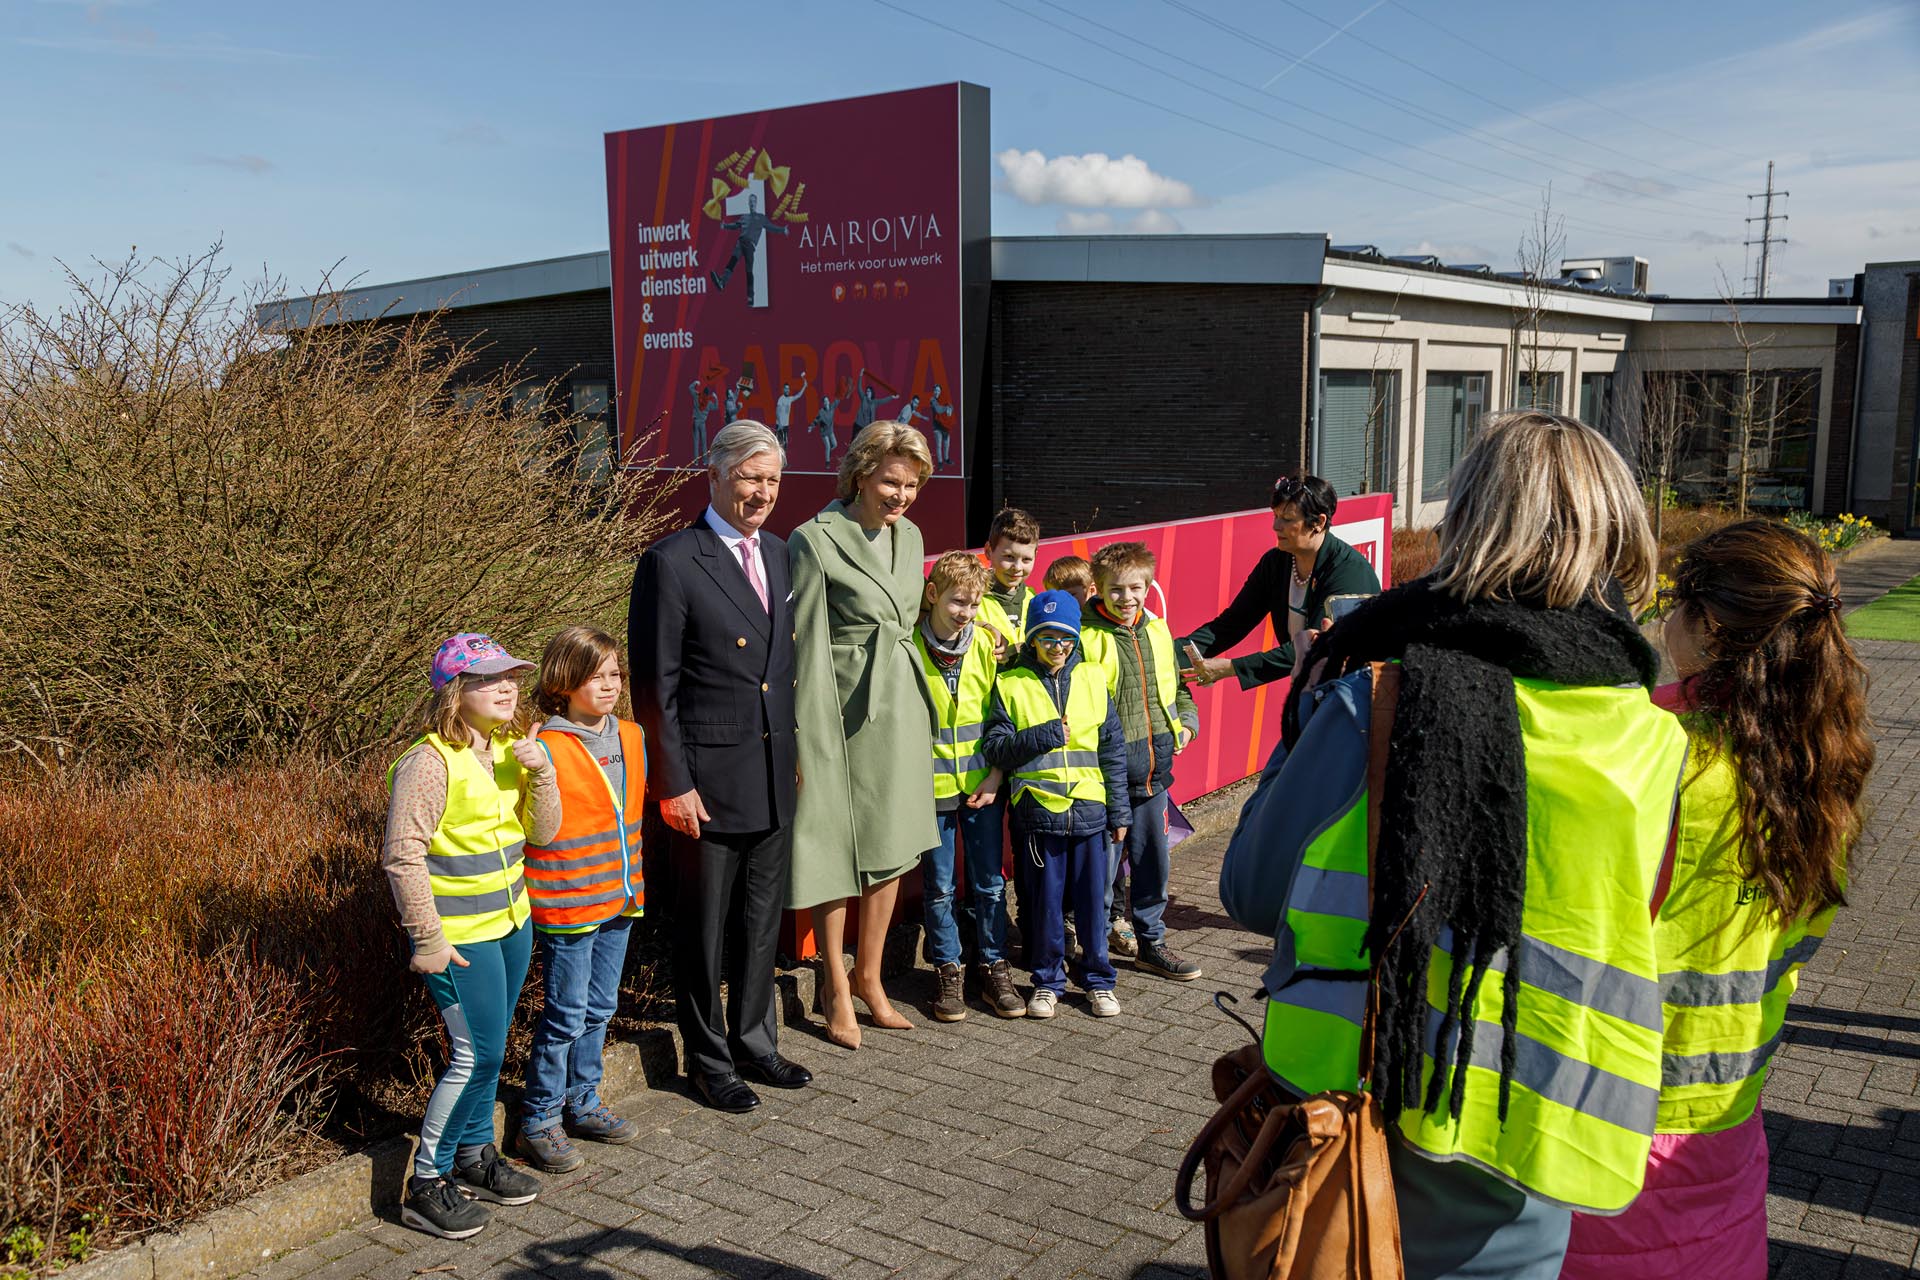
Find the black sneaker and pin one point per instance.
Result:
(1155, 958)
(488, 1177)
(438, 1208)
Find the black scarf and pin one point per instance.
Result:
(1454, 817)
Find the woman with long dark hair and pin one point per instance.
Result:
(1505, 914)
(1774, 704)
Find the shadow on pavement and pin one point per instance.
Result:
(1816, 1037)
(579, 1257)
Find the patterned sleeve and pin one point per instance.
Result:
(419, 798)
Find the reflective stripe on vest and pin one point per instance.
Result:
(1602, 766)
(1058, 778)
(958, 721)
(591, 870)
(475, 857)
(1012, 625)
(1728, 965)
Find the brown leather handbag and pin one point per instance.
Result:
(1299, 1190)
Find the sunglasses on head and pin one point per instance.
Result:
(1286, 489)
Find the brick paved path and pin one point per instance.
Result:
(994, 1148)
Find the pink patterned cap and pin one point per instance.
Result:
(471, 653)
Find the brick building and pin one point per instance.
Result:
(1138, 378)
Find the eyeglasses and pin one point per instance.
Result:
(1286, 489)
(1053, 642)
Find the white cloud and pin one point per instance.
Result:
(1075, 223)
(1154, 222)
(1092, 181)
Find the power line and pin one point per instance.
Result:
(1513, 147)
(1187, 116)
(1497, 105)
(1339, 31)
(1337, 121)
(1525, 70)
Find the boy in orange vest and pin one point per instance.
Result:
(586, 889)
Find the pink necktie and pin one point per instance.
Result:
(747, 546)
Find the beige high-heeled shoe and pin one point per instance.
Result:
(883, 1013)
(848, 1039)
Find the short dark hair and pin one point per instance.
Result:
(1014, 525)
(1314, 496)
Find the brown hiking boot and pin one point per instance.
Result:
(996, 984)
(951, 1004)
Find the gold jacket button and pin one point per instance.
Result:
(763, 687)
(741, 643)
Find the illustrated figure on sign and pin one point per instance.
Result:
(736, 396)
(869, 403)
(704, 403)
(942, 415)
(751, 225)
(783, 407)
(823, 423)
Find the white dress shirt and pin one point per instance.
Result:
(733, 538)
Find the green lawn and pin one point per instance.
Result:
(1894, 616)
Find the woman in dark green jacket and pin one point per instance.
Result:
(1291, 585)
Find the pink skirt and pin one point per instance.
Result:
(1701, 1216)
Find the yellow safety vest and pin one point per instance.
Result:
(475, 856)
(958, 766)
(1100, 642)
(1058, 778)
(1602, 768)
(1728, 965)
(1012, 626)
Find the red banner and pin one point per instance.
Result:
(1203, 563)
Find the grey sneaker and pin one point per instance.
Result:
(1155, 958)
(1103, 1004)
(548, 1150)
(1071, 934)
(601, 1125)
(488, 1177)
(1040, 1003)
(1121, 942)
(438, 1208)
(950, 1005)
(996, 984)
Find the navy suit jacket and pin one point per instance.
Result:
(713, 678)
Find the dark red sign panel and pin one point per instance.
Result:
(801, 267)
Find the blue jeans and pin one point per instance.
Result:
(977, 832)
(1150, 865)
(476, 1002)
(582, 976)
(1075, 867)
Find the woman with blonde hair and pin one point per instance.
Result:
(864, 815)
(1500, 927)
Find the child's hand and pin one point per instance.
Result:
(999, 642)
(988, 791)
(531, 755)
(1120, 834)
(437, 962)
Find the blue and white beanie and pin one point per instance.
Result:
(1056, 609)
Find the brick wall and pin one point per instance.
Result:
(1846, 364)
(557, 338)
(1116, 404)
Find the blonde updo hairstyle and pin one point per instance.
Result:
(877, 442)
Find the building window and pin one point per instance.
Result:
(593, 429)
(1358, 418)
(1737, 433)
(1537, 390)
(528, 398)
(1455, 404)
(1596, 393)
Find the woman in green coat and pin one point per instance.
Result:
(865, 809)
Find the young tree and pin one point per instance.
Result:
(1756, 403)
(1542, 246)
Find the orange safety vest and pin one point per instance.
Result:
(590, 871)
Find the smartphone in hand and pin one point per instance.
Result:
(1339, 607)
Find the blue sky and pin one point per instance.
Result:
(401, 140)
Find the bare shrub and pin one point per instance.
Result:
(223, 539)
(145, 1086)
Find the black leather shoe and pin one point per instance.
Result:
(777, 1071)
(725, 1091)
